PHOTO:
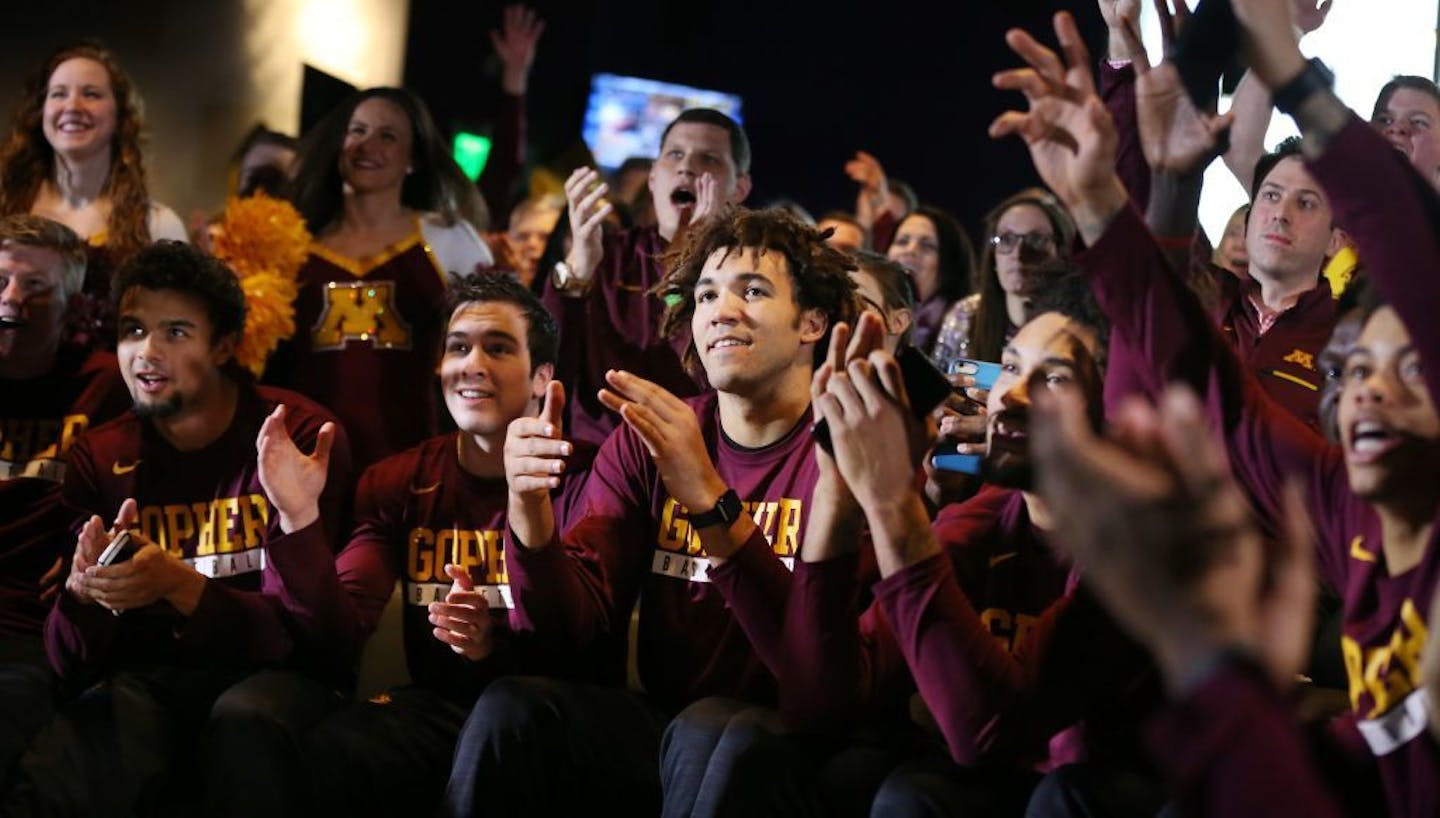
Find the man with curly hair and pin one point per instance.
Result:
(683, 497)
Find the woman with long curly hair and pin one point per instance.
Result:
(73, 155)
(385, 202)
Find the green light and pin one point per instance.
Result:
(471, 150)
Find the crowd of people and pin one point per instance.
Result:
(696, 508)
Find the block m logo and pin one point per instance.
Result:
(360, 311)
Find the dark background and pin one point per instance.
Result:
(907, 81)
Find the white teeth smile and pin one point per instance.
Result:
(728, 342)
(1368, 445)
(473, 394)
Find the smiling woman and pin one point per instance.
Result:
(73, 155)
(385, 201)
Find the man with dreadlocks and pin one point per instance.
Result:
(682, 493)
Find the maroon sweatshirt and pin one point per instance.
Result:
(40, 419)
(1005, 647)
(632, 541)
(1392, 215)
(206, 507)
(414, 513)
(615, 325)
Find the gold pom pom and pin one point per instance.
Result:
(265, 242)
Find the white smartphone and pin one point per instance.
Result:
(117, 551)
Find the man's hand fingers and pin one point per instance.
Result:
(1024, 80)
(888, 370)
(1037, 56)
(552, 411)
(839, 341)
(128, 515)
(1076, 54)
(460, 577)
(324, 440)
(536, 467)
(1133, 44)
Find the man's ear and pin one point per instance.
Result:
(540, 379)
(898, 321)
(224, 349)
(1338, 239)
(742, 188)
(813, 324)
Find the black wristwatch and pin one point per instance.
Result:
(727, 510)
(1316, 77)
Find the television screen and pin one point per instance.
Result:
(626, 115)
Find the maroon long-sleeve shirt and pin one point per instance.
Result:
(40, 419)
(206, 507)
(415, 512)
(631, 540)
(1007, 650)
(616, 325)
(1284, 355)
(1393, 215)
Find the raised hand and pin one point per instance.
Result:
(293, 482)
(1162, 533)
(872, 431)
(585, 198)
(535, 453)
(515, 46)
(535, 450)
(668, 428)
(834, 512)
(1119, 15)
(1309, 15)
(1268, 40)
(1175, 136)
(1070, 135)
(463, 620)
(874, 193)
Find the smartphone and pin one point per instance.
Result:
(984, 372)
(924, 385)
(117, 551)
(1206, 49)
(946, 458)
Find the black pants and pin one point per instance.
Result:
(536, 747)
(388, 756)
(936, 787)
(723, 757)
(139, 742)
(27, 698)
(1099, 791)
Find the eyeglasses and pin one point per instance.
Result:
(1034, 242)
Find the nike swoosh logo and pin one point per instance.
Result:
(426, 490)
(999, 558)
(118, 469)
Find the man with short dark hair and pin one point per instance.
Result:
(433, 518)
(54, 391)
(682, 493)
(601, 292)
(184, 632)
